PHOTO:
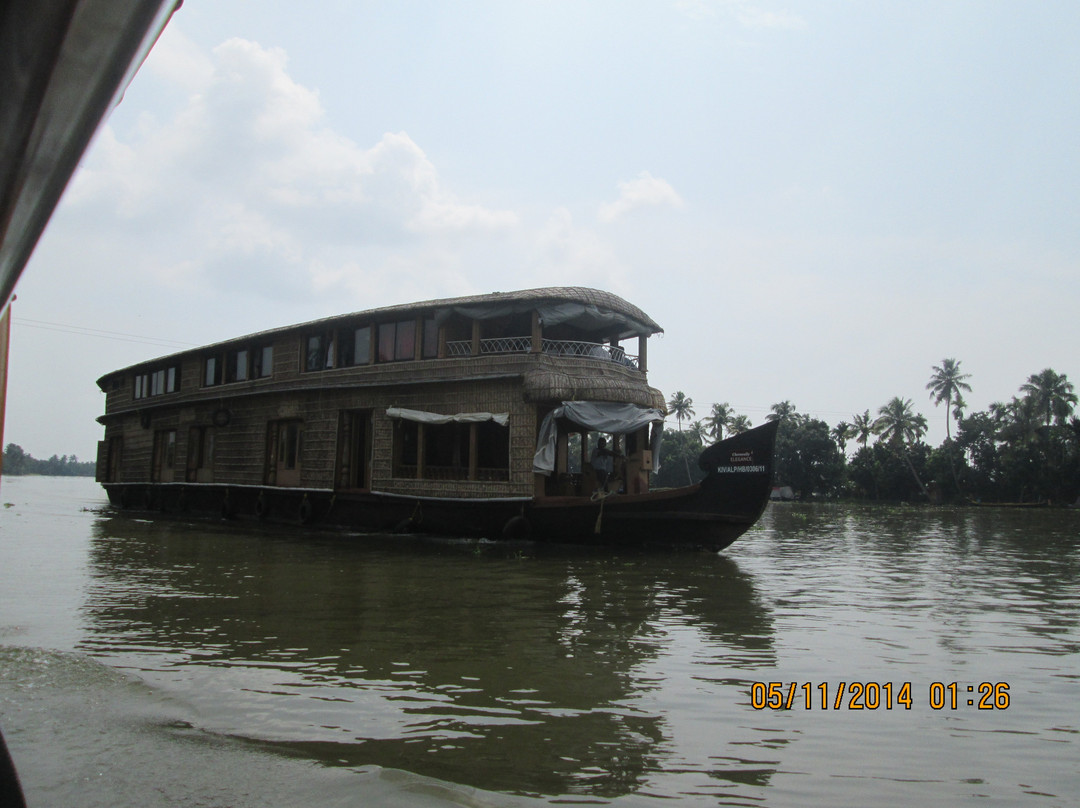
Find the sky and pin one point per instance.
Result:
(818, 201)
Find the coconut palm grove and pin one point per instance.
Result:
(1026, 450)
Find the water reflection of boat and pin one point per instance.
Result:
(474, 416)
(483, 668)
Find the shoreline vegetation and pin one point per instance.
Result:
(18, 463)
(1023, 451)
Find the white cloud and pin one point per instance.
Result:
(244, 180)
(645, 190)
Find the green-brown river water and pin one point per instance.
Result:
(163, 663)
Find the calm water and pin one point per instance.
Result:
(171, 663)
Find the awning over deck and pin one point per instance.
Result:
(420, 416)
(598, 416)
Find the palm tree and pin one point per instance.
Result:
(862, 427)
(738, 424)
(1018, 421)
(698, 431)
(946, 384)
(898, 425)
(719, 420)
(781, 411)
(958, 407)
(841, 432)
(1052, 394)
(681, 406)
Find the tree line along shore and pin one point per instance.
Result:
(17, 463)
(1026, 450)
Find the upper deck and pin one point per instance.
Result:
(565, 342)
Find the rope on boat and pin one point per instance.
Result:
(601, 496)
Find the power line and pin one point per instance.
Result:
(120, 336)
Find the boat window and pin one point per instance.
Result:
(492, 451)
(431, 338)
(264, 362)
(362, 345)
(573, 453)
(405, 347)
(237, 366)
(354, 346)
(397, 341)
(320, 352)
(157, 382)
(406, 443)
(452, 451)
(212, 374)
(446, 451)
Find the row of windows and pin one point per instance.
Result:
(421, 451)
(336, 348)
(238, 365)
(479, 451)
(157, 382)
(363, 345)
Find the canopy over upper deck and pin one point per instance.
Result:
(580, 308)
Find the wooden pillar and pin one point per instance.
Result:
(419, 451)
(537, 333)
(475, 337)
(474, 445)
(643, 353)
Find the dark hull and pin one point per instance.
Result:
(711, 514)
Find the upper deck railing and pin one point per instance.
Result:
(558, 347)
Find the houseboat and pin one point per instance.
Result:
(474, 416)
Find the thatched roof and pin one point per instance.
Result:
(592, 306)
(634, 319)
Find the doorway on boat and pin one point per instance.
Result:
(200, 455)
(114, 449)
(284, 451)
(587, 462)
(354, 450)
(164, 456)
(582, 466)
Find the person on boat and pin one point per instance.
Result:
(602, 461)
